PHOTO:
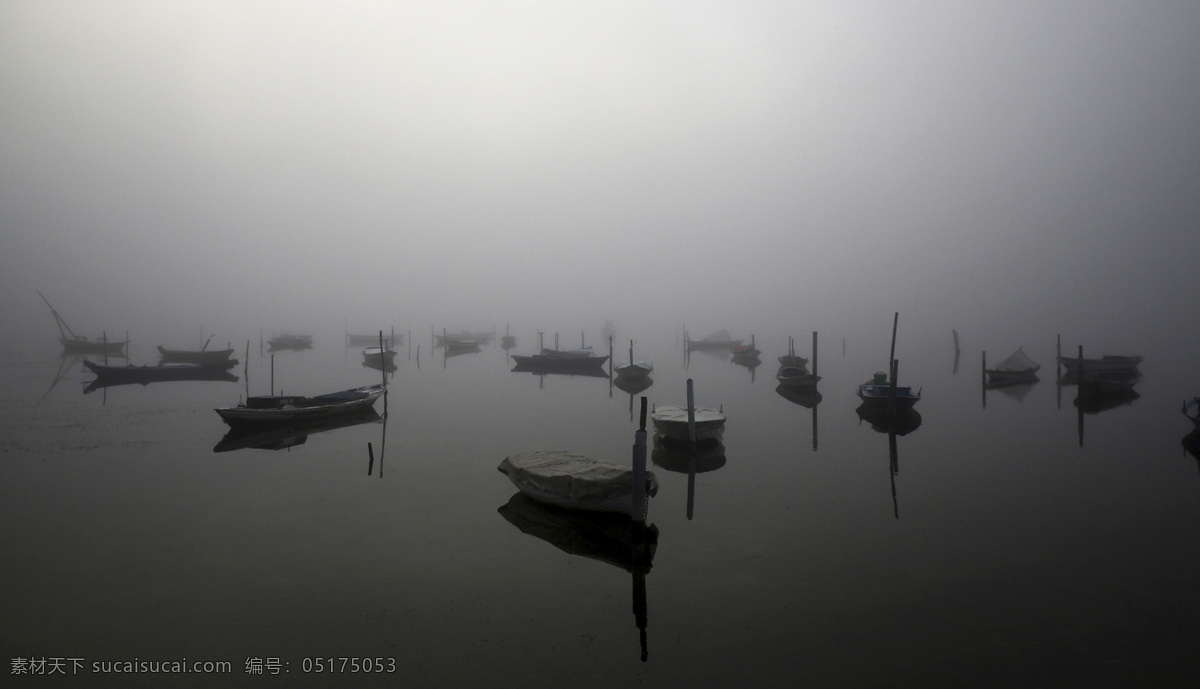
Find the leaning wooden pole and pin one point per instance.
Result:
(895, 324)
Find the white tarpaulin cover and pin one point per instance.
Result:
(672, 421)
(1019, 362)
(568, 479)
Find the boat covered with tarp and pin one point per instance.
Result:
(671, 421)
(1017, 368)
(571, 480)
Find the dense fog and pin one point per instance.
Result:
(1009, 169)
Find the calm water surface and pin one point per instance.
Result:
(1003, 545)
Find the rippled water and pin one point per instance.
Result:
(1008, 541)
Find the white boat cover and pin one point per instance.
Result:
(568, 479)
(672, 421)
(1019, 362)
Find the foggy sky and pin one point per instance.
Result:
(247, 164)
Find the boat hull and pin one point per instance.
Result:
(1127, 364)
(633, 371)
(558, 363)
(269, 410)
(203, 357)
(878, 395)
(573, 481)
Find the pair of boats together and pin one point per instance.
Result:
(568, 480)
(582, 359)
(174, 364)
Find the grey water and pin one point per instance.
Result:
(1009, 540)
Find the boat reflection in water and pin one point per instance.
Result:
(285, 436)
(611, 538)
(807, 397)
(110, 376)
(565, 368)
(900, 422)
(682, 457)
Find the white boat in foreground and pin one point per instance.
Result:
(570, 480)
(672, 422)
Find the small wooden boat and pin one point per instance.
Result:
(380, 359)
(796, 377)
(284, 409)
(556, 362)
(287, 435)
(463, 338)
(1127, 364)
(379, 354)
(718, 340)
(219, 358)
(570, 480)
(877, 391)
(672, 422)
(1017, 368)
(292, 342)
(508, 341)
(791, 358)
(78, 344)
(632, 369)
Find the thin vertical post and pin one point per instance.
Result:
(691, 411)
(895, 324)
(814, 353)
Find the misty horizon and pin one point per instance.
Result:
(303, 165)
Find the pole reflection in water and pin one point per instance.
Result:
(686, 458)
(901, 422)
(611, 538)
(807, 397)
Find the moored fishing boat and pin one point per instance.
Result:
(796, 377)
(78, 344)
(276, 409)
(718, 340)
(1127, 364)
(567, 479)
(632, 369)
(671, 422)
(220, 358)
(1017, 368)
(293, 342)
(877, 392)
